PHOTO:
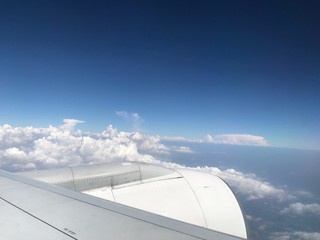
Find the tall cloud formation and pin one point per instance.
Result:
(39, 148)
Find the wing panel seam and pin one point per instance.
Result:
(39, 219)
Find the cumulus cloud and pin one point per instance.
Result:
(10, 137)
(150, 144)
(299, 235)
(133, 118)
(14, 153)
(246, 184)
(250, 185)
(300, 209)
(30, 148)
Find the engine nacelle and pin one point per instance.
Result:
(191, 196)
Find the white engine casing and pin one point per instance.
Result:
(191, 196)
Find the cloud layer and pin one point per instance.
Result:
(39, 148)
(301, 209)
(299, 235)
(249, 185)
(234, 139)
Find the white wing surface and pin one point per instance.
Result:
(30, 209)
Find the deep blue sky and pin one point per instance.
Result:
(189, 68)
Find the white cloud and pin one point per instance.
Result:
(182, 149)
(30, 148)
(251, 218)
(180, 139)
(300, 209)
(133, 118)
(10, 136)
(209, 139)
(299, 235)
(123, 114)
(234, 139)
(69, 124)
(240, 139)
(304, 194)
(14, 153)
(151, 144)
(248, 185)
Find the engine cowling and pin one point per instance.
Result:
(191, 196)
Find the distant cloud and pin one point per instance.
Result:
(240, 139)
(180, 139)
(209, 139)
(182, 149)
(69, 124)
(234, 139)
(300, 209)
(150, 144)
(295, 235)
(133, 118)
(250, 218)
(248, 185)
(304, 194)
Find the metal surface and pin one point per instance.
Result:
(190, 196)
(38, 210)
(81, 178)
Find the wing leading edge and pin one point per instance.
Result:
(31, 209)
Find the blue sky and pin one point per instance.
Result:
(187, 68)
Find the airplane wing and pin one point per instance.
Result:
(30, 209)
